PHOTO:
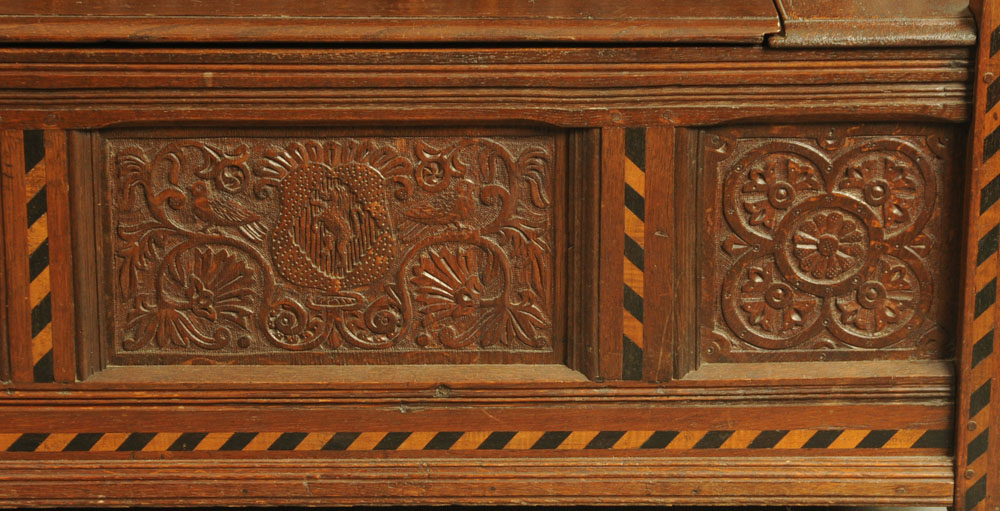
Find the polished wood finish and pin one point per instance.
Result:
(505, 231)
(16, 251)
(854, 480)
(832, 23)
(385, 21)
(829, 242)
(381, 248)
(93, 88)
(978, 451)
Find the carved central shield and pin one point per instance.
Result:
(334, 232)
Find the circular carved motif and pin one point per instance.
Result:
(877, 192)
(826, 245)
(893, 179)
(781, 195)
(884, 307)
(765, 310)
(766, 183)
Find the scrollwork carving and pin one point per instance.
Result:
(282, 245)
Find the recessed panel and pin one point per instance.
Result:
(829, 243)
(332, 247)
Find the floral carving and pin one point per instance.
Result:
(888, 183)
(827, 244)
(882, 303)
(771, 305)
(201, 290)
(466, 287)
(285, 245)
(774, 184)
(454, 283)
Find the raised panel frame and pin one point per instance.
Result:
(572, 172)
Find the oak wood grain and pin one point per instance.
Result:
(85, 249)
(612, 246)
(123, 80)
(15, 230)
(826, 23)
(386, 22)
(60, 260)
(661, 237)
(860, 480)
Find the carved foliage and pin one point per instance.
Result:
(825, 243)
(284, 245)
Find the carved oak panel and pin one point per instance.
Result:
(325, 248)
(829, 243)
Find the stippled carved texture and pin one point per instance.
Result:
(830, 243)
(256, 245)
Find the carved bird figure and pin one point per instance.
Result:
(448, 208)
(220, 212)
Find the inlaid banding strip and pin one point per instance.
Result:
(40, 291)
(635, 253)
(38, 283)
(905, 439)
(977, 481)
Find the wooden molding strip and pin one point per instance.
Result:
(735, 479)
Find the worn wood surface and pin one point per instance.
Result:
(561, 355)
(977, 416)
(16, 252)
(860, 481)
(387, 22)
(842, 241)
(93, 88)
(833, 23)
(335, 248)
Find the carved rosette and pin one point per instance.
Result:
(393, 244)
(827, 245)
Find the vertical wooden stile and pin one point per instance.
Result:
(978, 421)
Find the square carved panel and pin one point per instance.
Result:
(829, 242)
(332, 247)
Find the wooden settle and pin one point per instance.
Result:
(321, 253)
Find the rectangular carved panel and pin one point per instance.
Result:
(829, 242)
(332, 247)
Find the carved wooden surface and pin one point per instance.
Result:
(226, 248)
(137, 429)
(830, 243)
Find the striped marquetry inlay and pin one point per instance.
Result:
(978, 480)
(635, 249)
(904, 439)
(40, 290)
(35, 193)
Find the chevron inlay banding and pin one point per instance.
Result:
(635, 247)
(38, 255)
(475, 441)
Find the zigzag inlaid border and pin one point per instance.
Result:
(901, 439)
(634, 254)
(977, 479)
